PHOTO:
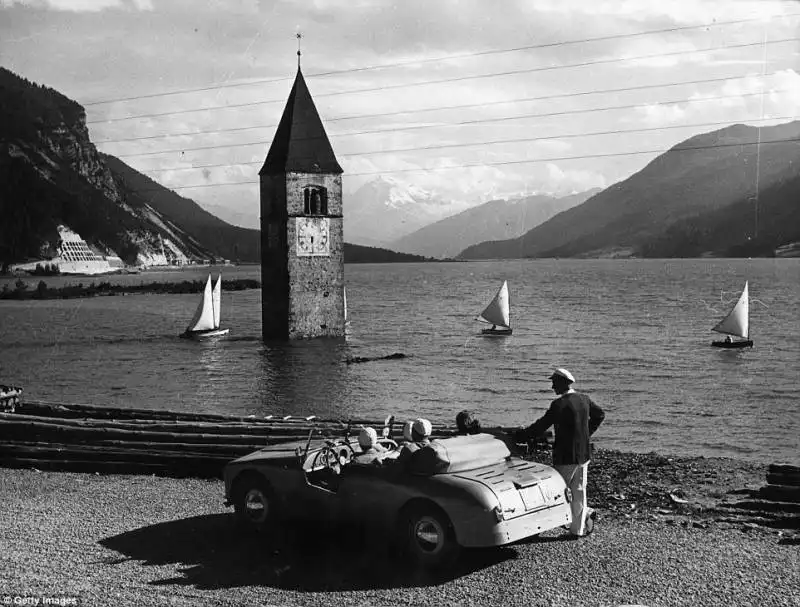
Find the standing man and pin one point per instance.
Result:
(576, 418)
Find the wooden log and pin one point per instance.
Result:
(207, 448)
(219, 450)
(783, 479)
(762, 506)
(104, 454)
(55, 432)
(14, 422)
(781, 493)
(177, 427)
(783, 469)
(145, 416)
(92, 411)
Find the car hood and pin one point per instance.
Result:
(280, 451)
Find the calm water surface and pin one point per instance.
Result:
(635, 333)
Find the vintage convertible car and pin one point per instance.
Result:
(473, 494)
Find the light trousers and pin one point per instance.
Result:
(575, 476)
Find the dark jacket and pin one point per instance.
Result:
(575, 417)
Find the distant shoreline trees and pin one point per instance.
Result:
(21, 290)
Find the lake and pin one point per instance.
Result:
(635, 333)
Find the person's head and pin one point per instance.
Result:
(407, 431)
(367, 438)
(562, 380)
(421, 430)
(466, 423)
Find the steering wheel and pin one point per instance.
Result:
(327, 457)
(345, 454)
(389, 443)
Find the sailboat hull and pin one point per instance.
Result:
(497, 332)
(745, 343)
(204, 334)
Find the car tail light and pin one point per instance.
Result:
(498, 513)
(568, 495)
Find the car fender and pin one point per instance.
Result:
(464, 501)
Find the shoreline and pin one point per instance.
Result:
(149, 540)
(22, 292)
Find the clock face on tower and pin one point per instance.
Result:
(313, 236)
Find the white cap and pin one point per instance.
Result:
(407, 430)
(422, 427)
(563, 373)
(367, 438)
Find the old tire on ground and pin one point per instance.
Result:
(254, 503)
(428, 537)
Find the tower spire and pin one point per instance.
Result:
(299, 38)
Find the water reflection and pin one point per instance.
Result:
(212, 359)
(307, 377)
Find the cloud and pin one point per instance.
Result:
(138, 49)
(676, 11)
(657, 113)
(81, 6)
(772, 96)
(566, 181)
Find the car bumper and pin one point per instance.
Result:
(490, 532)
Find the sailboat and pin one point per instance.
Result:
(205, 322)
(497, 313)
(736, 323)
(346, 319)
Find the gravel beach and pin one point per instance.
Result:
(669, 531)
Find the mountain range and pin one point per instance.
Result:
(383, 210)
(730, 192)
(51, 174)
(716, 194)
(494, 220)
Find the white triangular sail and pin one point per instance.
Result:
(737, 322)
(216, 301)
(498, 311)
(203, 319)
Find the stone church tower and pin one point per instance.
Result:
(302, 230)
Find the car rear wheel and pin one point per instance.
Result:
(428, 537)
(254, 503)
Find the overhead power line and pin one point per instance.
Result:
(501, 163)
(446, 125)
(443, 146)
(438, 59)
(461, 106)
(449, 80)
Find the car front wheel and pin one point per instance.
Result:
(254, 503)
(428, 538)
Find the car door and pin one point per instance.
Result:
(369, 494)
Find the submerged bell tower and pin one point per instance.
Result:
(302, 229)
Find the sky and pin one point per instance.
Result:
(469, 100)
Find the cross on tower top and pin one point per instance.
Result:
(299, 38)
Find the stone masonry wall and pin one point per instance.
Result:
(316, 300)
(297, 182)
(302, 297)
(274, 274)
